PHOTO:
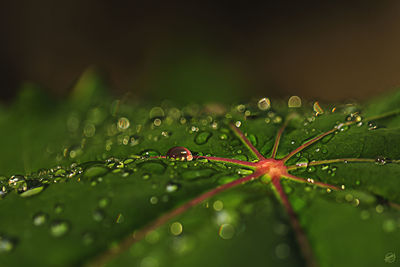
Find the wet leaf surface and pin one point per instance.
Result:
(93, 180)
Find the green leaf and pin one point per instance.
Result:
(86, 181)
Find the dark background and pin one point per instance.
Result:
(326, 50)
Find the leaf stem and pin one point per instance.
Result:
(300, 235)
(247, 142)
(328, 161)
(302, 180)
(125, 244)
(279, 135)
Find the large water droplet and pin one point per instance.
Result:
(202, 137)
(180, 153)
(59, 228)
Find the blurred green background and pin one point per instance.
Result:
(209, 51)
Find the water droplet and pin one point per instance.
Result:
(39, 218)
(172, 187)
(389, 226)
(156, 112)
(198, 173)
(150, 153)
(379, 208)
(372, 125)
(32, 191)
(146, 176)
(311, 169)
(123, 123)
(176, 228)
(98, 215)
(327, 138)
(302, 163)
(95, 171)
(218, 205)
(381, 160)
(87, 238)
(226, 231)
(180, 153)
(154, 200)
(244, 171)
(58, 208)
(294, 102)
(253, 139)
(317, 109)
(156, 167)
(103, 202)
(6, 244)
(18, 182)
(120, 218)
(264, 104)
(390, 257)
(59, 228)
(282, 251)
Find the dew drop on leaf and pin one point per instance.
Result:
(176, 228)
(226, 231)
(302, 163)
(98, 215)
(264, 104)
(294, 102)
(87, 238)
(202, 137)
(253, 139)
(58, 208)
(372, 125)
(103, 202)
(95, 171)
(197, 173)
(6, 244)
(172, 187)
(18, 183)
(39, 218)
(180, 153)
(155, 167)
(59, 228)
(123, 123)
(32, 192)
(317, 109)
(150, 153)
(381, 160)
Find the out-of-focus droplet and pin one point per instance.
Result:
(123, 123)
(176, 228)
(59, 228)
(39, 218)
(264, 104)
(294, 102)
(226, 231)
(6, 244)
(317, 109)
